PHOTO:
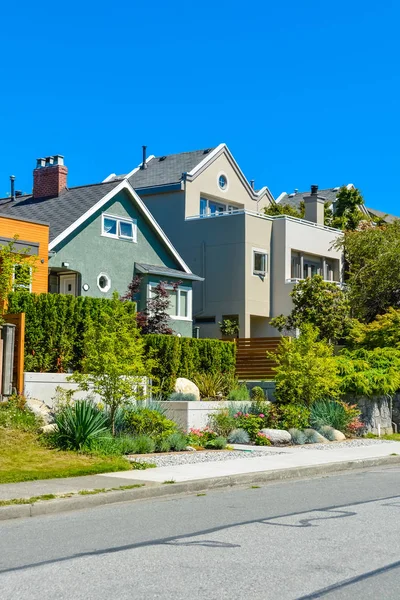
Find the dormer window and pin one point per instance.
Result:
(119, 227)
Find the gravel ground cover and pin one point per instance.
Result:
(348, 443)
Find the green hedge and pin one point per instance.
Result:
(184, 357)
(54, 328)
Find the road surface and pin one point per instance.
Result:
(336, 537)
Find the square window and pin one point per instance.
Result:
(259, 263)
(110, 226)
(125, 230)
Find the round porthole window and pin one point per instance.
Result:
(222, 182)
(103, 282)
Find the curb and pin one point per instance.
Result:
(59, 505)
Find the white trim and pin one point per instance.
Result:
(179, 288)
(253, 271)
(118, 219)
(280, 197)
(123, 185)
(223, 174)
(109, 177)
(209, 157)
(108, 286)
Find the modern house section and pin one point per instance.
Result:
(101, 236)
(249, 261)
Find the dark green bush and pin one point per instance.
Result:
(186, 357)
(257, 394)
(79, 425)
(114, 446)
(146, 421)
(293, 416)
(329, 412)
(177, 441)
(144, 444)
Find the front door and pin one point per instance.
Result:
(68, 284)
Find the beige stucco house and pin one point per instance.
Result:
(249, 261)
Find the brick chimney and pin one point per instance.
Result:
(49, 177)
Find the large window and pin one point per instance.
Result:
(22, 277)
(119, 227)
(306, 265)
(180, 305)
(212, 208)
(260, 262)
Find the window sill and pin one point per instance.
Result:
(120, 239)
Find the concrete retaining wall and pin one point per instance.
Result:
(192, 414)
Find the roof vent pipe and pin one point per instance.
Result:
(12, 180)
(314, 189)
(252, 184)
(144, 164)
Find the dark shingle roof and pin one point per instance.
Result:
(159, 270)
(163, 170)
(61, 211)
(382, 215)
(295, 198)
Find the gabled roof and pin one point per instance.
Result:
(60, 211)
(164, 271)
(382, 215)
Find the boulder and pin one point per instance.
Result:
(339, 436)
(185, 386)
(40, 409)
(48, 428)
(278, 436)
(190, 449)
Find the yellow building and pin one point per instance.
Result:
(33, 240)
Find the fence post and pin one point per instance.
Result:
(8, 336)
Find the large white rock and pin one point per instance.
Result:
(40, 409)
(339, 436)
(185, 386)
(48, 428)
(278, 436)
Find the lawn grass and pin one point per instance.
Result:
(394, 437)
(23, 458)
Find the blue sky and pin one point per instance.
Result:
(301, 91)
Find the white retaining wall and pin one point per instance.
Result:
(192, 414)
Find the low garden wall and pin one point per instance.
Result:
(192, 414)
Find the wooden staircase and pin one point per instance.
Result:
(251, 357)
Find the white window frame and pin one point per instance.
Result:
(108, 286)
(183, 288)
(226, 188)
(253, 270)
(228, 208)
(27, 288)
(119, 220)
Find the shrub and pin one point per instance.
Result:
(218, 443)
(250, 423)
(211, 385)
(373, 372)
(257, 394)
(187, 357)
(144, 444)
(222, 422)
(329, 412)
(79, 425)
(177, 441)
(145, 421)
(262, 439)
(162, 443)
(312, 436)
(15, 415)
(239, 436)
(328, 433)
(298, 437)
(293, 416)
(306, 369)
(200, 437)
(240, 394)
(113, 446)
(180, 397)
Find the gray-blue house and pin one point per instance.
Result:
(101, 236)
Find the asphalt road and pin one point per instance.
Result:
(334, 537)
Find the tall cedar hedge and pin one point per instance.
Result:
(55, 325)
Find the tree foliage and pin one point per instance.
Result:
(383, 332)
(276, 209)
(306, 369)
(113, 359)
(347, 214)
(372, 257)
(16, 269)
(369, 372)
(319, 303)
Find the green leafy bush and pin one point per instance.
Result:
(240, 394)
(251, 423)
(186, 357)
(293, 416)
(218, 443)
(113, 446)
(145, 421)
(238, 436)
(180, 397)
(298, 437)
(222, 422)
(79, 425)
(177, 441)
(373, 372)
(257, 394)
(200, 437)
(144, 444)
(15, 415)
(262, 439)
(328, 412)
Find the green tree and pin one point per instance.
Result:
(383, 332)
(306, 369)
(372, 256)
(347, 214)
(276, 208)
(114, 358)
(369, 372)
(320, 303)
(16, 269)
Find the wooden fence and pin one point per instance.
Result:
(18, 319)
(251, 357)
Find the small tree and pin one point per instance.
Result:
(347, 214)
(114, 358)
(154, 318)
(276, 209)
(16, 269)
(306, 369)
(320, 303)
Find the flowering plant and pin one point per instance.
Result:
(262, 439)
(251, 423)
(354, 423)
(200, 437)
